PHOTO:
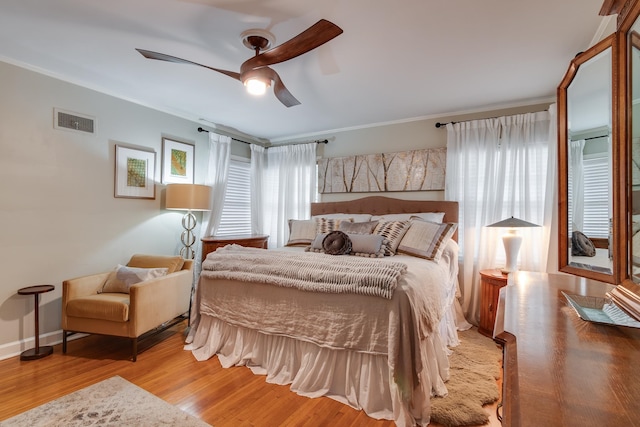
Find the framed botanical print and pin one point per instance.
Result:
(135, 173)
(177, 162)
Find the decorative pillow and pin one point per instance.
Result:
(394, 232)
(357, 227)
(352, 217)
(581, 245)
(301, 232)
(316, 245)
(427, 216)
(364, 245)
(121, 279)
(368, 245)
(171, 263)
(327, 225)
(336, 243)
(426, 239)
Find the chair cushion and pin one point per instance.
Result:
(171, 263)
(113, 307)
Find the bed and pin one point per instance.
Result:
(383, 353)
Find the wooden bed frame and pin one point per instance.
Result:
(379, 205)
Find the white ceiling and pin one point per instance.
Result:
(395, 61)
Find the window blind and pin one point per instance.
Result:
(596, 196)
(236, 213)
(597, 184)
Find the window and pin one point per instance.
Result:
(236, 213)
(596, 195)
(597, 186)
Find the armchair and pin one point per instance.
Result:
(148, 305)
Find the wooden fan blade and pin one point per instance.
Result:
(279, 89)
(314, 36)
(164, 57)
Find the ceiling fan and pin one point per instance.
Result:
(255, 72)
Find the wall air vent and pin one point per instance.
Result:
(73, 121)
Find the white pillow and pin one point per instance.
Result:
(353, 217)
(123, 277)
(301, 232)
(427, 216)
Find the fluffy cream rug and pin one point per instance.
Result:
(475, 367)
(112, 402)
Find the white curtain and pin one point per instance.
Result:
(550, 230)
(286, 177)
(576, 177)
(497, 168)
(258, 171)
(216, 177)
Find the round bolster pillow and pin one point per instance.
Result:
(336, 243)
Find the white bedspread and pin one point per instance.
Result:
(395, 342)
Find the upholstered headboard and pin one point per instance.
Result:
(379, 205)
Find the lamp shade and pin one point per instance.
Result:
(193, 197)
(513, 223)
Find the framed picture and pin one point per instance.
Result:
(135, 173)
(177, 162)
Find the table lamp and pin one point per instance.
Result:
(512, 240)
(189, 197)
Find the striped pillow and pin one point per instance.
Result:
(426, 239)
(327, 225)
(393, 231)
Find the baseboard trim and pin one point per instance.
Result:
(14, 349)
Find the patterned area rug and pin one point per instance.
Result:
(475, 367)
(112, 402)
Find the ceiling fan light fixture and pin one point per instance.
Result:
(257, 85)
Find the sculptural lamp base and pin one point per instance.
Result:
(187, 237)
(512, 241)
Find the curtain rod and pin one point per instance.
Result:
(319, 141)
(594, 137)
(232, 138)
(439, 125)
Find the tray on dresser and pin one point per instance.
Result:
(600, 310)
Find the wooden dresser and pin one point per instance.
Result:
(210, 244)
(560, 370)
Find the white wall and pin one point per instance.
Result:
(58, 216)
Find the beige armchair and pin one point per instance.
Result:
(148, 305)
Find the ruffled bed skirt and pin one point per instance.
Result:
(363, 381)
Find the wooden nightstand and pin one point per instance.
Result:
(210, 244)
(490, 283)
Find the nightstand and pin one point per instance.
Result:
(210, 244)
(490, 283)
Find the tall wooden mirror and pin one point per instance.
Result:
(586, 153)
(630, 77)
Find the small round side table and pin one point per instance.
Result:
(37, 352)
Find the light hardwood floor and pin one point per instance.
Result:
(231, 397)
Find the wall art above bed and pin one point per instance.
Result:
(416, 170)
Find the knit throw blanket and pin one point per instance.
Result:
(305, 271)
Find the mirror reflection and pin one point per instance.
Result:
(589, 166)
